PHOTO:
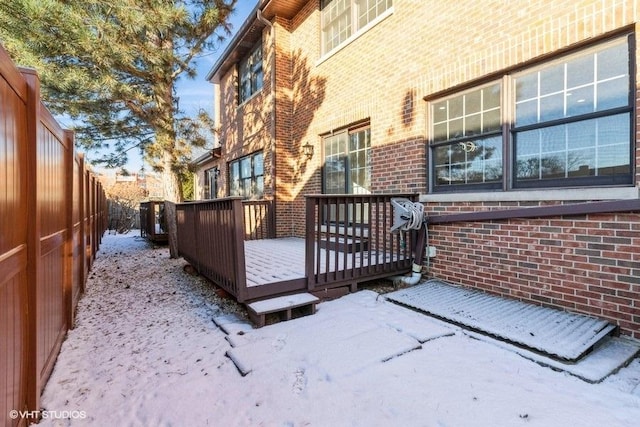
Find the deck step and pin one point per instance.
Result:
(286, 307)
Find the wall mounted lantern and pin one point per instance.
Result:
(307, 149)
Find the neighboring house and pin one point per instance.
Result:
(479, 106)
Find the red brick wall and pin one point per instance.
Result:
(587, 263)
(382, 77)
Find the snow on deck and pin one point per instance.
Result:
(564, 335)
(275, 260)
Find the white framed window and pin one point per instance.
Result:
(347, 162)
(342, 19)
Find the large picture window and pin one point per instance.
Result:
(347, 162)
(342, 19)
(246, 177)
(251, 73)
(570, 126)
(573, 120)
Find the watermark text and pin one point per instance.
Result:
(47, 415)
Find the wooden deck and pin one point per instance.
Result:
(152, 221)
(347, 241)
(274, 260)
(271, 261)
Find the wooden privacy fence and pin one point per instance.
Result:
(51, 222)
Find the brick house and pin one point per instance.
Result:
(516, 122)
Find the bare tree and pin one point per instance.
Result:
(124, 199)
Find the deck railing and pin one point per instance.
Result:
(152, 221)
(259, 220)
(348, 240)
(211, 237)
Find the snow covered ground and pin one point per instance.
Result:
(146, 352)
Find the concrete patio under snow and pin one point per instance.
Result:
(147, 350)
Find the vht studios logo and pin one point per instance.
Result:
(47, 415)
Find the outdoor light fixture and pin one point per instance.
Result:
(307, 149)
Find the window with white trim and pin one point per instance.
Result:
(342, 19)
(571, 126)
(347, 162)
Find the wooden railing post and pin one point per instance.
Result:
(238, 248)
(310, 240)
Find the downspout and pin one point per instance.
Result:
(416, 267)
(272, 34)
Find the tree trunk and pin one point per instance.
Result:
(171, 185)
(172, 228)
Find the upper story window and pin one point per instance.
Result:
(342, 19)
(251, 74)
(571, 125)
(347, 162)
(246, 176)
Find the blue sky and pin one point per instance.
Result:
(198, 93)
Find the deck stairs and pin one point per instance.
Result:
(282, 308)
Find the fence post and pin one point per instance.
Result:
(34, 380)
(238, 242)
(68, 245)
(82, 211)
(14, 240)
